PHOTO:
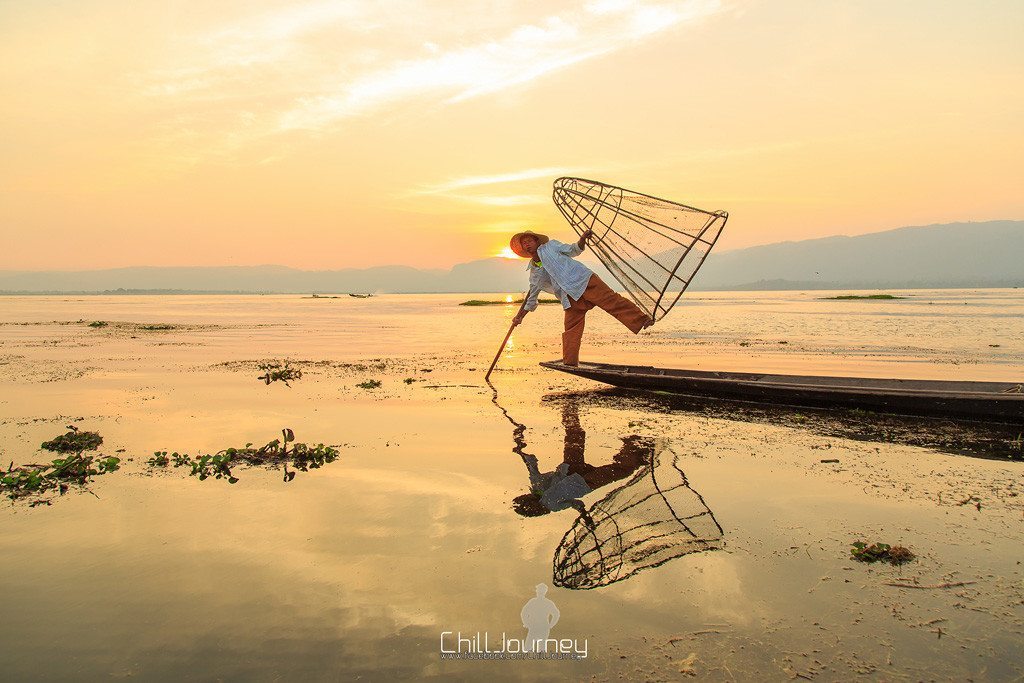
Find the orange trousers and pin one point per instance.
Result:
(601, 295)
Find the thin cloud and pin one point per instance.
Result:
(309, 67)
(525, 54)
(503, 200)
(495, 179)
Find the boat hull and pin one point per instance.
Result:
(989, 401)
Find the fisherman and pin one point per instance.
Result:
(553, 269)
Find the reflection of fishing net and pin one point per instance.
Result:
(651, 519)
(652, 246)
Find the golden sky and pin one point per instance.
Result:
(330, 134)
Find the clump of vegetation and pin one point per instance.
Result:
(851, 297)
(482, 302)
(160, 459)
(971, 500)
(274, 371)
(409, 380)
(98, 323)
(73, 441)
(369, 384)
(155, 328)
(74, 468)
(218, 465)
(880, 552)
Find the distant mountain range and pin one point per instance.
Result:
(989, 254)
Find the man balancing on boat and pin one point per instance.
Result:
(553, 269)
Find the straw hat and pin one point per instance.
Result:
(518, 249)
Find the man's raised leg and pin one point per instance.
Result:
(621, 308)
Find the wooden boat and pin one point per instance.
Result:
(989, 401)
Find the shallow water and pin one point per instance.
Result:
(359, 567)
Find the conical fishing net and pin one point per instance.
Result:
(652, 246)
(651, 519)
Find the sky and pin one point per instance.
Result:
(352, 133)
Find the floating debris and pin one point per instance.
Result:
(971, 500)
(274, 371)
(73, 441)
(880, 552)
(504, 302)
(370, 384)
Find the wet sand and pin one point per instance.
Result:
(358, 567)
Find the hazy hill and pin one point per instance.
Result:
(951, 255)
(954, 254)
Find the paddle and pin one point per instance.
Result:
(504, 341)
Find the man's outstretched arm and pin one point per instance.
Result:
(574, 249)
(582, 243)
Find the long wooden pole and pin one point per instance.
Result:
(504, 341)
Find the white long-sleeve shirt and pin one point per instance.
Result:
(559, 273)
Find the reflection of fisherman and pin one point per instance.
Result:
(574, 477)
(539, 616)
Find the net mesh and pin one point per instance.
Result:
(651, 519)
(652, 246)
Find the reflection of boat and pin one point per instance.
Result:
(651, 519)
(992, 401)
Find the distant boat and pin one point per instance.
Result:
(988, 401)
(361, 296)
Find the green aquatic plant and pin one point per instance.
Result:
(18, 482)
(73, 441)
(880, 552)
(218, 465)
(856, 297)
(74, 468)
(274, 371)
(370, 384)
(277, 452)
(159, 459)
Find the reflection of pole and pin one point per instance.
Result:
(518, 431)
(504, 341)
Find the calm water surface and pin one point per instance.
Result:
(713, 540)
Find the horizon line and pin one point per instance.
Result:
(496, 257)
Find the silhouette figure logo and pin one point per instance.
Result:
(539, 616)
